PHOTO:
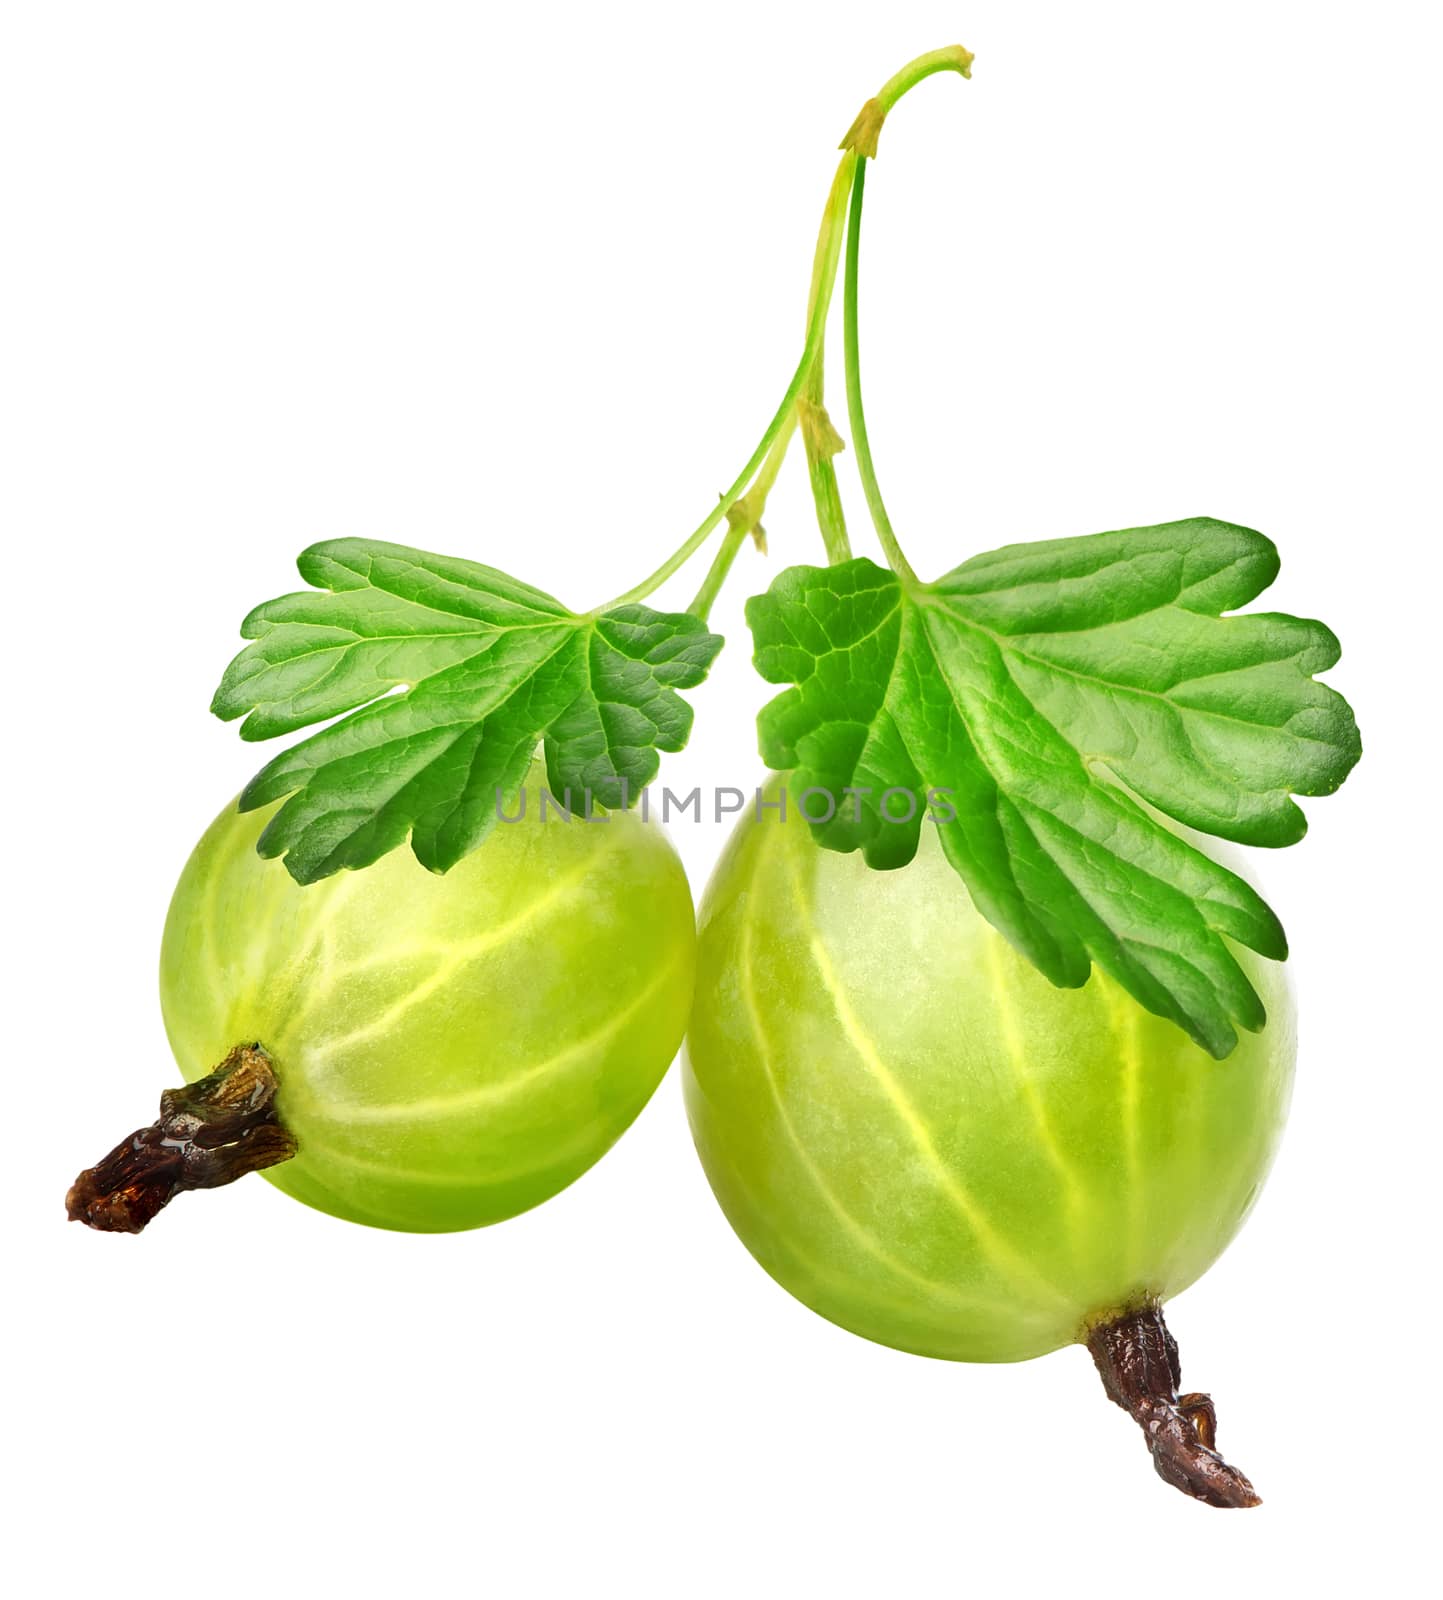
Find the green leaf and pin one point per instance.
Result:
(1039, 690)
(445, 676)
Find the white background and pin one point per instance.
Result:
(524, 284)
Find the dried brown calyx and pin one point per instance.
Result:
(1138, 1360)
(209, 1133)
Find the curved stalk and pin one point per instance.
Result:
(866, 129)
(950, 58)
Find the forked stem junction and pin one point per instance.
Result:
(741, 505)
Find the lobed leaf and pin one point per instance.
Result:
(1035, 692)
(445, 675)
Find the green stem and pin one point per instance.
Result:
(829, 248)
(716, 575)
(950, 58)
(744, 519)
(866, 129)
(880, 520)
(819, 439)
(826, 494)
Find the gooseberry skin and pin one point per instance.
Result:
(451, 1049)
(926, 1142)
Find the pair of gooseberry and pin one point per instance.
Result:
(909, 1127)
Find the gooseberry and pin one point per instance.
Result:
(447, 1051)
(922, 1139)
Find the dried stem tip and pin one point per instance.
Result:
(1137, 1358)
(209, 1133)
